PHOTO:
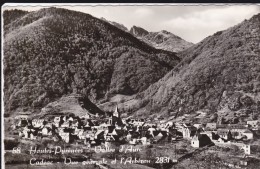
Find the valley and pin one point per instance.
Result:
(127, 98)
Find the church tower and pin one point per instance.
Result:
(116, 112)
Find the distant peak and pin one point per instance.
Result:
(118, 25)
(166, 32)
(138, 31)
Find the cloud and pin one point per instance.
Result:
(207, 22)
(143, 12)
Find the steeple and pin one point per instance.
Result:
(116, 112)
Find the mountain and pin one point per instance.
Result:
(219, 76)
(167, 41)
(55, 52)
(138, 31)
(118, 25)
(161, 40)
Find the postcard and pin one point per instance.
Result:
(123, 86)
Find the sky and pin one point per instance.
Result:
(191, 22)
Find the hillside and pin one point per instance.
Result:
(53, 52)
(219, 76)
(71, 104)
(161, 40)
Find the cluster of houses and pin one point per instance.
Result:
(94, 130)
(222, 134)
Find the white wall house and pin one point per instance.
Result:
(247, 149)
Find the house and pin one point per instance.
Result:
(149, 124)
(60, 130)
(103, 126)
(86, 116)
(22, 117)
(57, 120)
(99, 136)
(237, 133)
(151, 131)
(138, 122)
(65, 124)
(247, 149)
(109, 138)
(221, 140)
(162, 137)
(169, 124)
(75, 123)
(65, 118)
(162, 121)
(25, 132)
(198, 125)
(89, 135)
(158, 136)
(66, 137)
(188, 131)
(56, 138)
(133, 141)
(253, 124)
(200, 140)
(128, 136)
(46, 131)
(249, 134)
(70, 118)
(110, 120)
(211, 126)
(37, 123)
(237, 126)
(124, 121)
(225, 134)
(88, 123)
(22, 123)
(79, 133)
(33, 134)
(145, 141)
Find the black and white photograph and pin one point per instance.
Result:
(130, 86)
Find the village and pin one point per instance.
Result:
(92, 130)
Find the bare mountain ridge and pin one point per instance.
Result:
(161, 40)
(118, 25)
(138, 31)
(54, 52)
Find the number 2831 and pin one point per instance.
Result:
(162, 160)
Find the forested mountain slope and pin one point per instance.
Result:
(220, 75)
(53, 51)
